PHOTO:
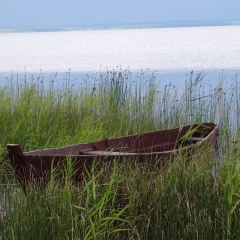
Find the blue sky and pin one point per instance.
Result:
(76, 13)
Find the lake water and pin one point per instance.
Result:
(170, 52)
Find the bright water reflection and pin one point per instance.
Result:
(157, 49)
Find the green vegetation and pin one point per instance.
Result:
(197, 201)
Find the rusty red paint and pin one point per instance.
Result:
(146, 148)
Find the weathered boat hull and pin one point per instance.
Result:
(152, 149)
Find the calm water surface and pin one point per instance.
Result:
(171, 52)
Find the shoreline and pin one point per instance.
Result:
(96, 27)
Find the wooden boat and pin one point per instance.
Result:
(151, 148)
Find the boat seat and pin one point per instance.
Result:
(104, 153)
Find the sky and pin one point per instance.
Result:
(16, 14)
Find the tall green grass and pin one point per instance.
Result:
(188, 200)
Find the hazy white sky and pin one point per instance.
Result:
(67, 13)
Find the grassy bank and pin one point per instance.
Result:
(200, 201)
